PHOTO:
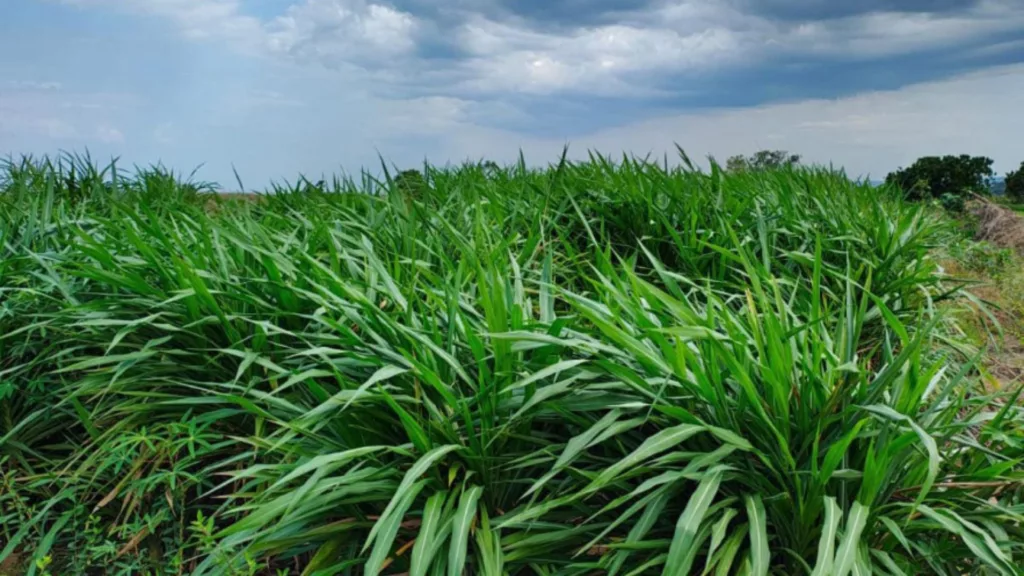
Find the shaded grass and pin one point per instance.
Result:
(593, 367)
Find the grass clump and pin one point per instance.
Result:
(595, 367)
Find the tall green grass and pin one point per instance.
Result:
(594, 368)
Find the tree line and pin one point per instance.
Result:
(947, 178)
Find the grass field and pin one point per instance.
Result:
(593, 368)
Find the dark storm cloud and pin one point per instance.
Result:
(575, 12)
(542, 14)
(831, 9)
(792, 79)
(761, 52)
(784, 80)
(439, 22)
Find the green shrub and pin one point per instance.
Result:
(1014, 184)
(935, 176)
(592, 368)
(953, 203)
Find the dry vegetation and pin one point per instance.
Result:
(999, 225)
(996, 261)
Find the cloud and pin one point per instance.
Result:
(827, 9)
(604, 48)
(32, 85)
(691, 40)
(109, 135)
(329, 31)
(197, 19)
(48, 127)
(335, 31)
(164, 133)
(599, 60)
(551, 15)
(1008, 47)
(869, 134)
(43, 116)
(268, 99)
(313, 83)
(877, 34)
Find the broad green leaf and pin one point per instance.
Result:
(651, 447)
(827, 541)
(461, 526)
(759, 556)
(430, 537)
(386, 535)
(652, 511)
(418, 469)
(689, 524)
(718, 535)
(846, 556)
(931, 447)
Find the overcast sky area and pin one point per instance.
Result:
(275, 88)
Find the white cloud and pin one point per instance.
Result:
(995, 49)
(15, 127)
(887, 33)
(32, 85)
(629, 58)
(434, 115)
(164, 133)
(692, 36)
(41, 117)
(54, 128)
(333, 32)
(197, 19)
(109, 134)
(281, 115)
(871, 133)
(269, 99)
(508, 57)
(338, 31)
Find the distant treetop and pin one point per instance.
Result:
(1014, 184)
(762, 160)
(936, 176)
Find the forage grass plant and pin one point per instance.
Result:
(593, 368)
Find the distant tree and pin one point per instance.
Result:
(411, 183)
(737, 163)
(935, 176)
(762, 160)
(1014, 184)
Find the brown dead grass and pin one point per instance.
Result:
(214, 203)
(998, 225)
(11, 566)
(240, 196)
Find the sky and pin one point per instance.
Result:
(271, 89)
